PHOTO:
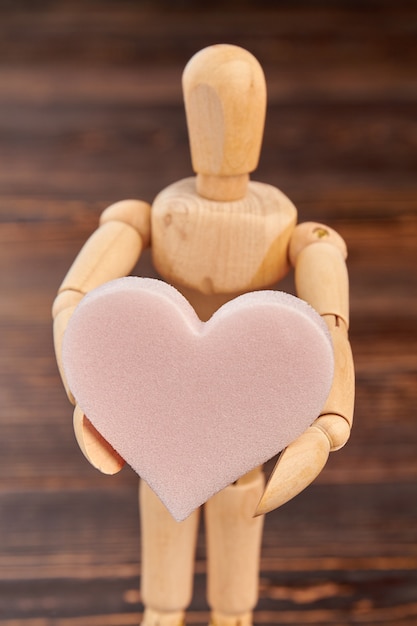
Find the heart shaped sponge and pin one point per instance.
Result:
(191, 405)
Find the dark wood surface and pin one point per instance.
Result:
(90, 113)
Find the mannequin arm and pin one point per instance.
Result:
(111, 252)
(318, 254)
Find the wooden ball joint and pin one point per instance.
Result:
(214, 236)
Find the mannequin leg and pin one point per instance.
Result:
(234, 539)
(168, 550)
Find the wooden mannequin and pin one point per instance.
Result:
(215, 236)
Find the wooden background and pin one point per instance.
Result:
(90, 113)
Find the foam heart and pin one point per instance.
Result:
(193, 405)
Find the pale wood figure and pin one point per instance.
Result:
(214, 236)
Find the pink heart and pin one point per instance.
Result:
(193, 405)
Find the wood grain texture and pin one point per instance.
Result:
(90, 113)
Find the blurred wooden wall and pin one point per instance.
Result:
(90, 113)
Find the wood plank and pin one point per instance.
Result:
(100, 550)
(115, 150)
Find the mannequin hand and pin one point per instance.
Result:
(303, 460)
(94, 447)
